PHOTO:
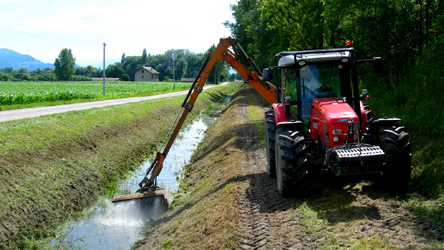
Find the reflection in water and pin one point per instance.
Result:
(118, 225)
(115, 225)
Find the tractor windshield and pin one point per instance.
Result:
(318, 81)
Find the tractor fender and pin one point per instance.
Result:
(292, 125)
(279, 113)
(383, 122)
(281, 120)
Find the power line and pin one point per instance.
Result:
(46, 36)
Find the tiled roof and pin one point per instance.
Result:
(149, 69)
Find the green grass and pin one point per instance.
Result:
(51, 167)
(256, 114)
(15, 95)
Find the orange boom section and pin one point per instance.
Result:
(226, 50)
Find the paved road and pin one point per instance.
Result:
(18, 114)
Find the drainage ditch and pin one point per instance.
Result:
(118, 225)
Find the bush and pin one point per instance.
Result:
(125, 78)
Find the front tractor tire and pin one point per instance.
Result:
(291, 162)
(270, 137)
(395, 143)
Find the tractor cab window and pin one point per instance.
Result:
(318, 81)
(289, 81)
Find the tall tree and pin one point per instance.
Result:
(64, 65)
(144, 56)
(122, 61)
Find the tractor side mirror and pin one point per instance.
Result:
(377, 65)
(267, 74)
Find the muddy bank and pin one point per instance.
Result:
(53, 167)
(228, 201)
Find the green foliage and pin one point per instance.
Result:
(187, 65)
(219, 72)
(115, 70)
(125, 78)
(64, 65)
(13, 93)
(428, 172)
(416, 97)
(20, 98)
(407, 34)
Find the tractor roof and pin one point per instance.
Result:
(313, 56)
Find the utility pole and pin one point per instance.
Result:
(174, 75)
(104, 44)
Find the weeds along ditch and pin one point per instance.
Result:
(118, 225)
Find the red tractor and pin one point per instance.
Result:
(317, 121)
(320, 123)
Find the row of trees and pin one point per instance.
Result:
(408, 34)
(396, 29)
(47, 74)
(186, 65)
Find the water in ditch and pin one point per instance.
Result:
(118, 225)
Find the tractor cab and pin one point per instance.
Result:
(308, 75)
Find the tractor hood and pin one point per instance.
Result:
(334, 110)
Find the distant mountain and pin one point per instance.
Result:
(10, 58)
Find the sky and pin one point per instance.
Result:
(42, 28)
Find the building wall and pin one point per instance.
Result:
(144, 76)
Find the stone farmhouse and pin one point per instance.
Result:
(146, 74)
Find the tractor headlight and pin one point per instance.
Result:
(335, 138)
(336, 131)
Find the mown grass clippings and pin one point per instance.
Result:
(312, 224)
(372, 243)
(430, 209)
(54, 166)
(257, 116)
(166, 244)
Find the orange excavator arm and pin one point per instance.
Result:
(225, 50)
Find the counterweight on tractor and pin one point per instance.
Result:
(317, 121)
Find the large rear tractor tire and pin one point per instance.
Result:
(395, 143)
(291, 162)
(270, 137)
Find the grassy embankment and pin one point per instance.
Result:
(16, 95)
(54, 166)
(203, 213)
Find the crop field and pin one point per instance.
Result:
(19, 93)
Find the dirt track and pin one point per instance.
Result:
(338, 214)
